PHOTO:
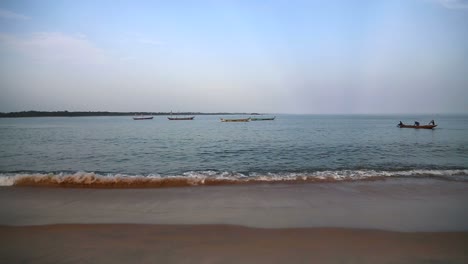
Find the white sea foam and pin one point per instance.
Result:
(92, 179)
(7, 180)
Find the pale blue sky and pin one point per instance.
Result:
(335, 56)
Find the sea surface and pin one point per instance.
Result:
(120, 152)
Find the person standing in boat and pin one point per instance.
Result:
(400, 124)
(432, 122)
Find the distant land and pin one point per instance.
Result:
(102, 113)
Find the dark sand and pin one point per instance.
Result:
(224, 244)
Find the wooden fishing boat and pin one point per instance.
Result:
(417, 127)
(235, 119)
(142, 117)
(262, 118)
(181, 118)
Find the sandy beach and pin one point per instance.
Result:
(224, 244)
(392, 221)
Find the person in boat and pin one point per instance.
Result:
(416, 123)
(432, 122)
(400, 124)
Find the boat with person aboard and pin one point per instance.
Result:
(416, 125)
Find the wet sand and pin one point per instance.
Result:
(425, 221)
(113, 243)
(410, 205)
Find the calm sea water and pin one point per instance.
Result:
(290, 146)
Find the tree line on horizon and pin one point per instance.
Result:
(99, 113)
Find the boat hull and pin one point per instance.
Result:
(418, 127)
(143, 118)
(235, 120)
(181, 118)
(262, 119)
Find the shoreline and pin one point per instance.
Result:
(82, 179)
(409, 205)
(131, 243)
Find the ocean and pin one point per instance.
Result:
(122, 152)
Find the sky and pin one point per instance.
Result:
(278, 56)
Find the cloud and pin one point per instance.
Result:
(53, 47)
(7, 14)
(454, 4)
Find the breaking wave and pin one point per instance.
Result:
(202, 178)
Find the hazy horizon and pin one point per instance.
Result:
(290, 57)
(401, 114)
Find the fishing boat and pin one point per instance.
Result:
(235, 119)
(142, 117)
(419, 127)
(262, 118)
(181, 118)
(416, 125)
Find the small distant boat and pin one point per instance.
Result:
(431, 125)
(262, 118)
(235, 119)
(181, 118)
(419, 127)
(142, 117)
